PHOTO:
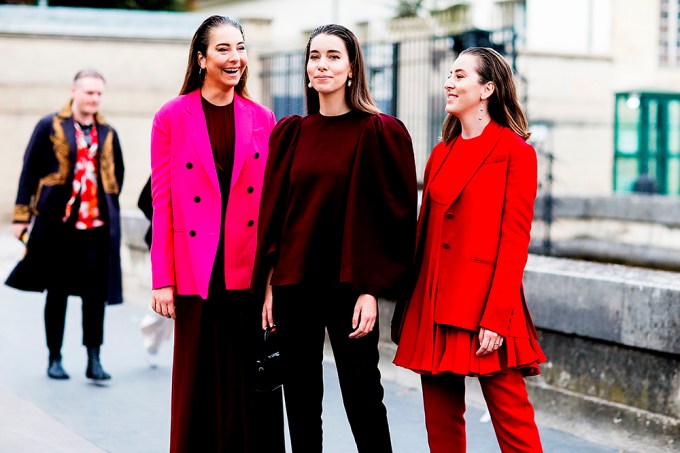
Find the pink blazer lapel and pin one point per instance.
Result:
(198, 133)
(243, 127)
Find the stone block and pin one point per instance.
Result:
(626, 305)
(658, 209)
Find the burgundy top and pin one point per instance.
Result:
(220, 122)
(221, 131)
(339, 203)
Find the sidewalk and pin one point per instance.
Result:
(132, 413)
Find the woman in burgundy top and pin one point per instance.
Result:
(337, 229)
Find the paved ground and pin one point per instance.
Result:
(131, 414)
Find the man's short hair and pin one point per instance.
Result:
(88, 73)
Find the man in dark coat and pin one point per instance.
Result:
(68, 200)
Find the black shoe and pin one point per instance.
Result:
(94, 367)
(56, 371)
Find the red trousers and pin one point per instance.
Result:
(511, 412)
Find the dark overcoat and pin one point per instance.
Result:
(45, 187)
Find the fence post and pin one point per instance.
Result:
(395, 78)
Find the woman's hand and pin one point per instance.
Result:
(163, 301)
(268, 306)
(489, 342)
(365, 313)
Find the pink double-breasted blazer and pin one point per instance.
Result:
(187, 202)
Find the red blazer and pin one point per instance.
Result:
(485, 235)
(187, 204)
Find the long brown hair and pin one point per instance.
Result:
(193, 79)
(357, 95)
(504, 107)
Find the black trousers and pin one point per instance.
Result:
(55, 320)
(83, 272)
(302, 315)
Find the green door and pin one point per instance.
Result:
(647, 143)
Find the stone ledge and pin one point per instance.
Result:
(625, 305)
(608, 251)
(633, 229)
(659, 209)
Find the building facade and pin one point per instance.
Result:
(571, 57)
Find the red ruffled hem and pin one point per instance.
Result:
(453, 351)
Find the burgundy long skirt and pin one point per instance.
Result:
(214, 405)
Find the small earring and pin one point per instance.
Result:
(309, 84)
(200, 71)
(480, 111)
(349, 82)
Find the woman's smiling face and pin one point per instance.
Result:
(464, 92)
(226, 58)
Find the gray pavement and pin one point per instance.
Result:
(131, 413)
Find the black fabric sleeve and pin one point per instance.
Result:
(380, 224)
(35, 166)
(275, 189)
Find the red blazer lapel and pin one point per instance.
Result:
(468, 164)
(198, 133)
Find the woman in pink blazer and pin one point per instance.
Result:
(208, 155)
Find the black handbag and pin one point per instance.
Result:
(268, 367)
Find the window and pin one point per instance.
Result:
(647, 142)
(669, 36)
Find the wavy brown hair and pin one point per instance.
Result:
(358, 96)
(503, 105)
(193, 79)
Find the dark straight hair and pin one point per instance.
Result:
(504, 107)
(193, 79)
(357, 95)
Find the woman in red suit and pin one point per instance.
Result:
(208, 154)
(467, 315)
